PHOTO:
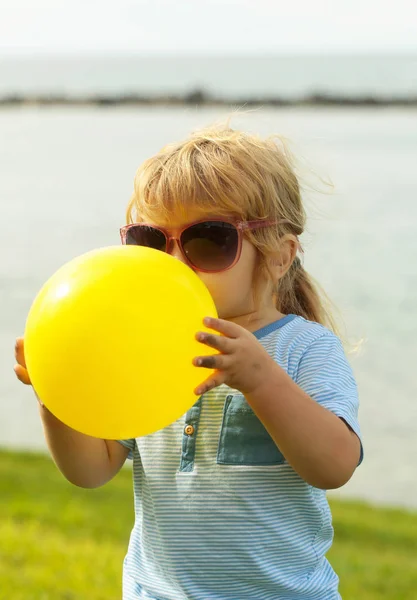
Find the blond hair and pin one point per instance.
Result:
(235, 173)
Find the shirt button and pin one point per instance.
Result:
(189, 430)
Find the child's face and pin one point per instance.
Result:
(232, 290)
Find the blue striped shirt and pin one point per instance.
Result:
(220, 514)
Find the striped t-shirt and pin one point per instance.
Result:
(220, 514)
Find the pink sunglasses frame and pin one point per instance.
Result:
(240, 226)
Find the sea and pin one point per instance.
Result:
(228, 77)
(66, 174)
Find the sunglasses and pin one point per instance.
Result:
(208, 246)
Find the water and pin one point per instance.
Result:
(227, 77)
(65, 178)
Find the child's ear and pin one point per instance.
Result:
(281, 261)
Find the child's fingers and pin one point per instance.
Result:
(232, 330)
(218, 342)
(210, 383)
(221, 362)
(22, 374)
(19, 351)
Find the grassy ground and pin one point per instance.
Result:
(59, 542)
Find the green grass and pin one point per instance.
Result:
(59, 542)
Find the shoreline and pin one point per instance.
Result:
(201, 98)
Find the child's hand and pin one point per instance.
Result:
(20, 369)
(243, 363)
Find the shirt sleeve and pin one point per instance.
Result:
(130, 445)
(325, 374)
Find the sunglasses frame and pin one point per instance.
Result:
(174, 235)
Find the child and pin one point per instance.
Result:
(230, 500)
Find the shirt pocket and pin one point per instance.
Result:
(243, 438)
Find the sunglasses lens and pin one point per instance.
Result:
(146, 236)
(211, 246)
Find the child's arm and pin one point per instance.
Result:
(311, 419)
(85, 461)
(316, 442)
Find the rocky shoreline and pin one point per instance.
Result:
(201, 98)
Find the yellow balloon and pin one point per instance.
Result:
(110, 339)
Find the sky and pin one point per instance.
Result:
(207, 26)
